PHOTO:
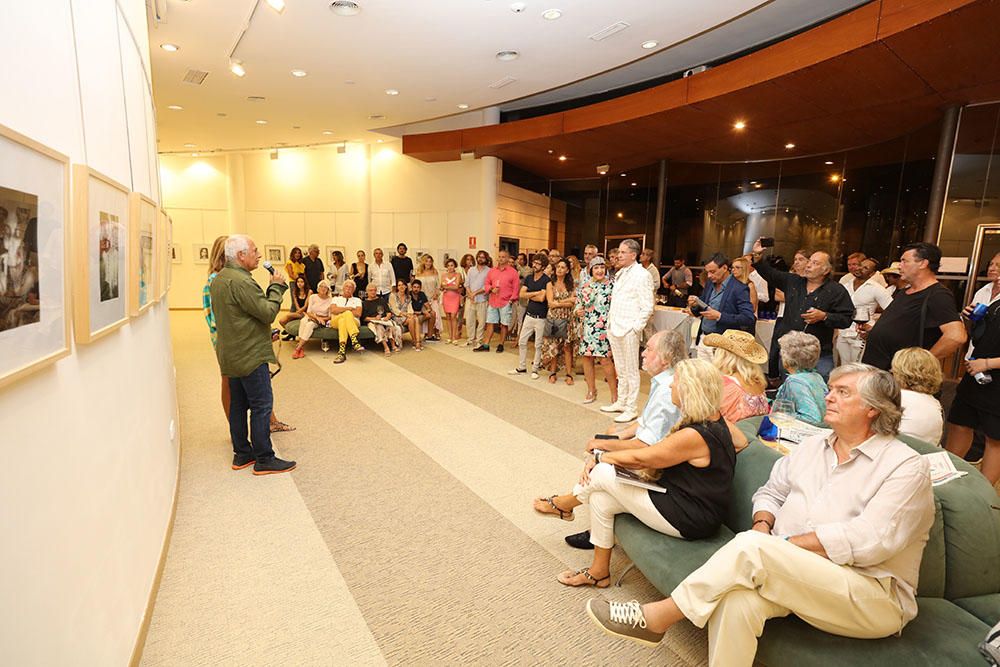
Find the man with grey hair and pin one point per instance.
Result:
(314, 267)
(838, 533)
(589, 253)
(631, 308)
(243, 316)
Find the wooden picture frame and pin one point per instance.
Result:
(162, 254)
(143, 278)
(276, 255)
(35, 333)
(100, 236)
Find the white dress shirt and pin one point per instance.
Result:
(922, 417)
(631, 300)
(654, 273)
(848, 279)
(382, 276)
(869, 295)
(761, 285)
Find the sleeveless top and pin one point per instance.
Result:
(697, 499)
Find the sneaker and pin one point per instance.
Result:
(500, 347)
(534, 375)
(298, 354)
(483, 347)
(359, 347)
(625, 417)
(241, 461)
(579, 540)
(273, 466)
(517, 371)
(623, 619)
(614, 407)
(341, 358)
(325, 346)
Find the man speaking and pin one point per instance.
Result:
(243, 316)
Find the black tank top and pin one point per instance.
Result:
(696, 499)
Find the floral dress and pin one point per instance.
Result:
(552, 347)
(594, 299)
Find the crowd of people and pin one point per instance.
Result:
(846, 511)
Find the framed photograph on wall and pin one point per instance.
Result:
(142, 255)
(34, 217)
(274, 254)
(175, 254)
(328, 255)
(100, 253)
(200, 253)
(163, 254)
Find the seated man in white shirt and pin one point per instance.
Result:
(838, 533)
(345, 316)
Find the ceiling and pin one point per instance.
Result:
(436, 55)
(876, 73)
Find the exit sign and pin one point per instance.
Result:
(472, 242)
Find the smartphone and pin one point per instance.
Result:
(605, 436)
(701, 304)
(767, 242)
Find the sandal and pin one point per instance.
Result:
(552, 378)
(590, 398)
(281, 427)
(591, 580)
(569, 380)
(565, 515)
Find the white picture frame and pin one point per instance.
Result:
(200, 253)
(144, 258)
(274, 254)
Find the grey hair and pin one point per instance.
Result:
(313, 246)
(879, 391)
(589, 246)
(670, 347)
(632, 245)
(799, 350)
(829, 262)
(353, 284)
(235, 244)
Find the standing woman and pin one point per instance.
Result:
(294, 268)
(216, 262)
(300, 296)
(559, 326)
(359, 273)
(401, 307)
(741, 271)
(451, 297)
(593, 301)
(430, 281)
(338, 272)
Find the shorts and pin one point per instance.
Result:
(499, 315)
(963, 414)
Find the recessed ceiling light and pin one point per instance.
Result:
(345, 8)
(194, 155)
(834, 178)
(175, 107)
(757, 185)
(276, 5)
(551, 14)
(551, 151)
(299, 73)
(563, 158)
(739, 125)
(789, 145)
(379, 141)
(189, 145)
(463, 106)
(623, 174)
(430, 99)
(170, 47)
(236, 67)
(828, 162)
(621, 215)
(261, 122)
(507, 55)
(634, 184)
(650, 44)
(518, 7)
(349, 82)
(327, 132)
(391, 91)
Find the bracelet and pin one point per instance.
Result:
(770, 526)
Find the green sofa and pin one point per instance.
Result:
(326, 333)
(959, 586)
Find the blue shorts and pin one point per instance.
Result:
(498, 315)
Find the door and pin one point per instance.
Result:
(512, 246)
(987, 245)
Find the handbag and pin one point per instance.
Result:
(556, 328)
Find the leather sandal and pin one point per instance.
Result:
(591, 579)
(565, 515)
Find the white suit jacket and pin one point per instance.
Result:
(631, 300)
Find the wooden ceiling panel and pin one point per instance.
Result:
(760, 106)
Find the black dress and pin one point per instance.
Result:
(361, 282)
(986, 340)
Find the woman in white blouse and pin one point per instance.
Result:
(918, 374)
(317, 315)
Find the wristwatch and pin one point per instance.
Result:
(597, 456)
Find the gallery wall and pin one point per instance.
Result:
(90, 441)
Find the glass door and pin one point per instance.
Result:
(984, 248)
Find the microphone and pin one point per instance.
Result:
(270, 269)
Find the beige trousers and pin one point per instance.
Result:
(475, 320)
(758, 576)
(625, 352)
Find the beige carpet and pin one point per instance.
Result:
(405, 536)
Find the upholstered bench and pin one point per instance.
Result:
(328, 334)
(959, 585)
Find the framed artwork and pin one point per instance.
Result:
(274, 254)
(142, 254)
(163, 254)
(34, 215)
(100, 253)
(200, 253)
(615, 241)
(328, 255)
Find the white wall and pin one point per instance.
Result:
(90, 467)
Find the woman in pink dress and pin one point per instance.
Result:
(451, 297)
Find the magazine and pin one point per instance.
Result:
(942, 468)
(630, 477)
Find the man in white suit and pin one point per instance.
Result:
(631, 307)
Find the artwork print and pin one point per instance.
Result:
(109, 255)
(20, 302)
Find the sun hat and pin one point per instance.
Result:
(892, 268)
(740, 343)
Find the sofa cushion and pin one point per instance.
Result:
(931, 580)
(753, 467)
(984, 607)
(326, 333)
(663, 559)
(941, 634)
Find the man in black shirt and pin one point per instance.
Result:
(814, 304)
(533, 289)
(314, 267)
(924, 315)
(402, 266)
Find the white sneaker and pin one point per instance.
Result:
(325, 346)
(625, 417)
(534, 375)
(614, 407)
(517, 371)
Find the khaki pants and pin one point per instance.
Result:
(757, 576)
(531, 327)
(625, 351)
(849, 349)
(475, 320)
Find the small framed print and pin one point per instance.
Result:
(275, 254)
(100, 254)
(201, 251)
(34, 216)
(163, 254)
(142, 264)
(328, 258)
(175, 254)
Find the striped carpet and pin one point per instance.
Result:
(406, 535)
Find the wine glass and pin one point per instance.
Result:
(782, 414)
(861, 316)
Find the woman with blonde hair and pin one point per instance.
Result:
(741, 270)
(739, 357)
(430, 283)
(317, 316)
(918, 374)
(695, 463)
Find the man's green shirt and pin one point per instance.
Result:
(243, 316)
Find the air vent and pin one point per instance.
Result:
(255, 98)
(344, 8)
(612, 29)
(376, 116)
(500, 83)
(195, 76)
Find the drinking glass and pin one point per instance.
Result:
(782, 414)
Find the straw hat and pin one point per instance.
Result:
(892, 268)
(740, 343)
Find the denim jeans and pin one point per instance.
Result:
(252, 393)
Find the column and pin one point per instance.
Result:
(366, 202)
(942, 172)
(489, 189)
